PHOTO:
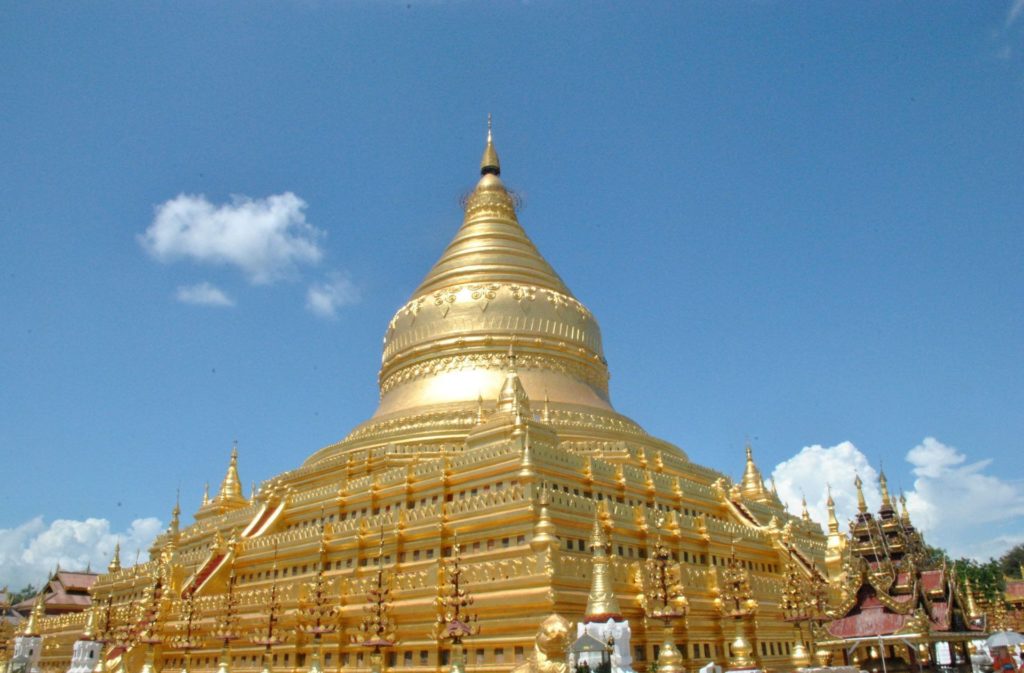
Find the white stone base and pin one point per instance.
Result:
(84, 655)
(27, 650)
(622, 656)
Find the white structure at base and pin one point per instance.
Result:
(620, 633)
(84, 656)
(26, 654)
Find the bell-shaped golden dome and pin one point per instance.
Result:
(490, 288)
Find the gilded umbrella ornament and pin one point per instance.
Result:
(453, 622)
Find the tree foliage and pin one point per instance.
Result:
(1012, 562)
(28, 591)
(988, 579)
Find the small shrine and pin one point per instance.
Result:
(893, 611)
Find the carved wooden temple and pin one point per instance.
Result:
(892, 611)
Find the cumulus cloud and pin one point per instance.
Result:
(203, 294)
(265, 238)
(29, 552)
(324, 299)
(953, 498)
(808, 472)
(954, 503)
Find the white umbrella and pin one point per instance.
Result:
(1004, 639)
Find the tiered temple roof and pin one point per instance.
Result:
(888, 587)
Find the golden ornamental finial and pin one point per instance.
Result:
(602, 604)
(175, 514)
(862, 505)
(231, 488)
(804, 514)
(490, 165)
(884, 484)
(752, 483)
(115, 563)
(34, 617)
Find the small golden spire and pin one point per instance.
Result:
(753, 484)
(546, 415)
(544, 530)
(479, 409)
(972, 607)
(602, 603)
(904, 512)
(90, 623)
(34, 617)
(804, 514)
(231, 487)
(206, 493)
(884, 483)
(833, 522)
(513, 398)
(862, 505)
(175, 515)
(490, 164)
(115, 563)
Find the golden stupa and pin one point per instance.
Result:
(495, 432)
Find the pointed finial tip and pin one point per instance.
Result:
(490, 164)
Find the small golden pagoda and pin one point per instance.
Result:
(459, 452)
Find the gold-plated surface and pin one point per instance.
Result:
(602, 603)
(459, 452)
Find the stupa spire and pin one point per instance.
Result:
(862, 505)
(904, 512)
(752, 485)
(886, 500)
(115, 563)
(231, 487)
(491, 246)
(175, 516)
(602, 604)
(833, 522)
(804, 514)
(513, 398)
(489, 164)
(34, 617)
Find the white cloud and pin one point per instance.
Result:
(957, 502)
(203, 294)
(1016, 8)
(29, 552)
(265, 238)
(808, 472)
(324, 299)
(954, 503)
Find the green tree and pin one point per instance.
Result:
(28, 591)
(1012, 561)
(986, 578)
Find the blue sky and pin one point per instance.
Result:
(796, 222)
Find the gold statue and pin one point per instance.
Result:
(551, 649)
